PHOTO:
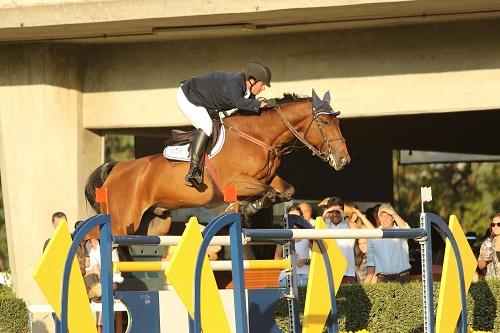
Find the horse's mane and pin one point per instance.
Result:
(286, 99)
(291, 98)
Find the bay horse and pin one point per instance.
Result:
(252, 152)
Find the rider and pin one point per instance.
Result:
(202, 98)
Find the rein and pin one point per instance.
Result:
(250, 138)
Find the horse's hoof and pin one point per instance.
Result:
(288, 194)
(270, 195)
(248, 209)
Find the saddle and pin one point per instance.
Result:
(183, 137)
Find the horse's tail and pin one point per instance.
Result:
(96, 180)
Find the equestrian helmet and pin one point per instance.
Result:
(259, 71)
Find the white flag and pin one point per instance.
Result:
(426, 194)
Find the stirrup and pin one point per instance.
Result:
(194, 178)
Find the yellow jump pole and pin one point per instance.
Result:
(217, 265)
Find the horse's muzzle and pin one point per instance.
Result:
(338, 162)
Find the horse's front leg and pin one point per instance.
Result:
(262, 195)
(285, 190)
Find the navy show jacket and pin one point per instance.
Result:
(219, 91)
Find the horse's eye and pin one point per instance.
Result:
(324, 122)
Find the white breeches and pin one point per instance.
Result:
(197, 115)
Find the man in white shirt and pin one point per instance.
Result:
(335, 218)
(307, 212)
(388, 259)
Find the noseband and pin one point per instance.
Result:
(318, 152)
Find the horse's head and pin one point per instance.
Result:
(323, 133)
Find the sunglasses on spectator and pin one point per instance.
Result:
(495, 224)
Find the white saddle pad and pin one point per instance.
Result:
(181, 153)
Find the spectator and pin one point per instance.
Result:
(307, 212)
(335, 218)
(353, 213)
(360, 250)
(90, 252)
(89, 268)
(369, 215)
(94, 250)
(376, 217)
(57, 217)
(388, 259)
(302, 258)
(81, 254)
(295, 211)
(324, 203)
(489, 254)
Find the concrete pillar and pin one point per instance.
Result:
(45, 154)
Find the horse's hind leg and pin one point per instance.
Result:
(155, 222)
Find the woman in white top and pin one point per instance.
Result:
(302, 256)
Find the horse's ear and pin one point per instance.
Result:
(316, 98)
(327, 97)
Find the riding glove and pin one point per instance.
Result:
(271, 103)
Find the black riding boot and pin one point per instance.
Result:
(194, 178)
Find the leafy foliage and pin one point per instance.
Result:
(393, 307)
(119, 147)
(14, 315)
(6, 291)
(468, 190)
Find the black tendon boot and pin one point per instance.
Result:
(194, 178)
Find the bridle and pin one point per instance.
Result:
(328, 156)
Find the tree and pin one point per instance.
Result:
(468, 190)
(119, 147)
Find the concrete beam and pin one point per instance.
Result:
(132, 20)
(382, 71)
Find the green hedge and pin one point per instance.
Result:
(382, 307)
(392, 307)
(14, 315)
